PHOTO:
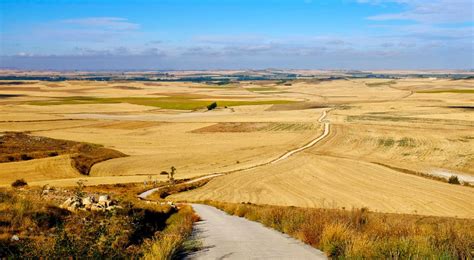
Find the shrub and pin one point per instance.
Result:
(212, 106)
(453, 179)
(25, 157)
(335, 239)
(19, 183)
(164, 173)
(52, 154)
(166, 244)
(10, 158)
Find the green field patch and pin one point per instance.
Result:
(380, 84)
(174, 102)
(463, 91)
(218, 86)
(261, 89)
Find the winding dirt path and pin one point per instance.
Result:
(310, 144)
(322, 119)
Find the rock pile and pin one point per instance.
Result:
(104, 203)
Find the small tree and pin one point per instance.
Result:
(79, 190)
(212, 106)
(171, 174)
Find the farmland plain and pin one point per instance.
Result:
(382, 133)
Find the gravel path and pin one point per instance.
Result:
(230, 237)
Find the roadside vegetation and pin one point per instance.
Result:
(32, 225)
(167, 243)
(18, 146)
(166, 191)
(359, 233)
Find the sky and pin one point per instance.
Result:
(236, 34)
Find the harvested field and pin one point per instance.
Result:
(254, 127)
(127, 87)
(129, 125)
(381, 132)
(45, 170)
(327, 182)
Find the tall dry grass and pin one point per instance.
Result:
(359, 233)
(166, 244)
(33, 226)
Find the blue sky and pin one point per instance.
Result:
(231, 34)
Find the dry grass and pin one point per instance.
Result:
(168, 190)
(166, 244)
(44, 230)
(359, 234)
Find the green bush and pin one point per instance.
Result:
(212, 106)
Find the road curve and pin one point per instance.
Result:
(308, 145)
(147, 193)
(230, 237)
(321, 119)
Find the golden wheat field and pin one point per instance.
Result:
(383, 135)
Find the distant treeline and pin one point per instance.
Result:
(227, 79)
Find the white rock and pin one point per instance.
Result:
(87, 201)
(14, 238)
(97, 207)
(104, 198)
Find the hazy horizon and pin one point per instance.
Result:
(230, 34)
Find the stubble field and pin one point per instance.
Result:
(381, 133)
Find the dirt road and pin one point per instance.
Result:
(230, 237)
(310, 144)
(321, 119)
(147, 193)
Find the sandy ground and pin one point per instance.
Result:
(230, 237)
